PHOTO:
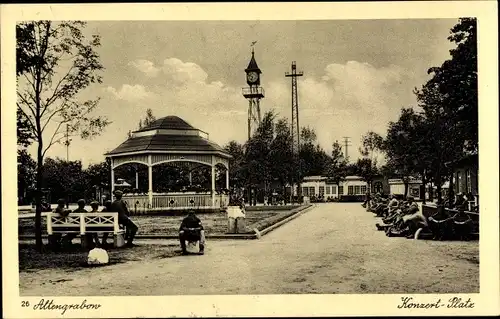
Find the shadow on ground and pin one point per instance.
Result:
(74, 257)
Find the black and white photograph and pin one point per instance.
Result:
(226, 156)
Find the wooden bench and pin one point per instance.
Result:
(430, 210)
(86, 223)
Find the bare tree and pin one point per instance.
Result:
(59, 62)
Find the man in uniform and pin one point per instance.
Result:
(120, 207)
(186, 233)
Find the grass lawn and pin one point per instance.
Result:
(214, 223)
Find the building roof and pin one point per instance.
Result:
(252, 66)
(315, 178)
(168, 135)
(168, 122)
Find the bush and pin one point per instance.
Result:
(352, 198)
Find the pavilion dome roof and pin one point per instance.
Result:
(169, 134)
(168, 122)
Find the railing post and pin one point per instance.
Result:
(82, 224)
(49, 223)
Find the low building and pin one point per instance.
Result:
(380, 185)
(465, 176)
(465, 173)
(397, 187)
(321, 187)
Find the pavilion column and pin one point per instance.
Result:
(136, 178)
(190, 178)
(227, 178)
(150, 181)
(112, 178)
(213, 185)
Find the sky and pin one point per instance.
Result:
(358, 74)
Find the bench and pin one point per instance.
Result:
(86, 223)
(428, 211)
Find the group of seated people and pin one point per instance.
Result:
(403, 218)
(191, 228)
(118, 205)
(400, 217)
(461, 202)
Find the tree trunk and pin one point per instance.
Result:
(451, 193)
(439, 190)
(405, 181)
(424, 188)
(38, 199)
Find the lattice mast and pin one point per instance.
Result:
(253, 93)
(295, 108)
(295, 130)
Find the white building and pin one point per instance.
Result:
(397, 187)
(318, 186)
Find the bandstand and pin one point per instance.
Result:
(171, 140)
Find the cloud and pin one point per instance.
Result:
(183, 72)
(130, 92)
(346, 100)
(146, 67)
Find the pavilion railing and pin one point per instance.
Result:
(178, 201)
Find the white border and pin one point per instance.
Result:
(487, 301)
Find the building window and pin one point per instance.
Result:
(341, 190)
(350, 190)
(468, 182)
(312, 191)
(334, 190)
(321, 190)
(327, 190)
(378, 187)
(357, 190)
(363, 189)
(305, 191)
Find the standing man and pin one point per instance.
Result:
(120, 207)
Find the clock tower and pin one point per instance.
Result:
(253, 93)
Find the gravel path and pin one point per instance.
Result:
(333, 248)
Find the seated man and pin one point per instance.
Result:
(107, 208)
(191, 230)
(120, 207)
(67, 240)
(94, 237)
(55, 239)
(393, 204)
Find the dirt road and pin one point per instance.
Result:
(333, 248)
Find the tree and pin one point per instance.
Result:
(402, 145)
(313, 159)
(26, 175)
(281, 157)
(367, 169)
(148, 120)
(372, 143)
(236, 164)
(65, 179)
(258, 149)
(61, 63)
(337, 169)
(450, 104)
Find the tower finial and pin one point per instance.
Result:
(252, 45)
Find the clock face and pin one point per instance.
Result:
(252, 77)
